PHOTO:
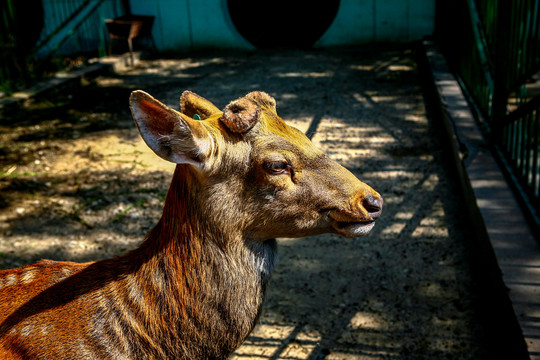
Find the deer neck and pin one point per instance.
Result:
(213, 284)
(186, 239)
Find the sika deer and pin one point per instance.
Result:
(194, 288)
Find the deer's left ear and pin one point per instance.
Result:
(170, 134)
(192, 104)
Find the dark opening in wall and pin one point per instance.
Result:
(282, 23)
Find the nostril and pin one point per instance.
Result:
(373, 206)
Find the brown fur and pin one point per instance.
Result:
(195, 286)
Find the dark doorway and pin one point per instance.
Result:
(282, 23)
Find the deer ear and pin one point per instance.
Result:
(192, 104)
(171, 135)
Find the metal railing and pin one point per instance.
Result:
(495, 51)
(520, 146)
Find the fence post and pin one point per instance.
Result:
(501, 56)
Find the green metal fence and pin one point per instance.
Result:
(34, 43)
(494, 47)
(520, 147)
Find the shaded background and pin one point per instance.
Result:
(77, 183)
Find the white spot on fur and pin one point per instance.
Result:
(63, 274)
(28, 276)
(45, 329)
(134, 291)
(157, 279)
(11, 280)
(26, 330)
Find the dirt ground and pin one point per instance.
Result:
(77, 183)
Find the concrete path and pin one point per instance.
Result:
(516, 249)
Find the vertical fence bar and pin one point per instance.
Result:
(519, 161)
(506, 139)
(526, 147)
(520, 164)
(523, 149)
(526, 33)
(502, 63)
(536, 149)
(528, 161)
(513, 153)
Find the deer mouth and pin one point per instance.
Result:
(353, 228)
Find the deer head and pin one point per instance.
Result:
(255, 177)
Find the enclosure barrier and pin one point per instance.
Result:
(494, 48)
(520, 146)
(29, 44)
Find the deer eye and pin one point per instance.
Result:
(276, 167)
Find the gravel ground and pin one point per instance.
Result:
(77, 183)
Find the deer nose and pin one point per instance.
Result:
(373, 206)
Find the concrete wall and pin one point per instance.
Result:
(380, 21)
(183, 25)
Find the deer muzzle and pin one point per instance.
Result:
(359, 222)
